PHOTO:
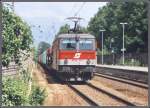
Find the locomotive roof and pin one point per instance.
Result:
(74, 35)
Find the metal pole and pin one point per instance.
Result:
(113, 58)
(102, 47)
(123, 24)
(123, 44)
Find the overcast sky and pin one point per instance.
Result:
(49, 16)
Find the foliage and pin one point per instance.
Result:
(35, 55)
(65, 28)
(16, 36)
(105, 52)
(42, 47)
(13, 92)
(109, 18)
(129, 62)
(25, 75)
(82, 30)
(37, 96)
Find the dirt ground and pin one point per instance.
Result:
(134, 94)
(57, 94)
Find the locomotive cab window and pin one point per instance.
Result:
(86, 44)
(68, 44)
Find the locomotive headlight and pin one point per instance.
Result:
(88, 61)
(65, 61)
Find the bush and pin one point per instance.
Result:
(13, 92)
(130, 62)
(105, 52)
(25, 75)
(37, 96)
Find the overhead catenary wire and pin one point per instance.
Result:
(71, 10)
(79, 9)
(73, 7)
(76, 13)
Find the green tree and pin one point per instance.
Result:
(42, 47)
(65, 28)
(37, 96)
(14, 92)
(82, 29)
(109, 18)
(16, 36)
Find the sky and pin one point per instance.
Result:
(45, 18)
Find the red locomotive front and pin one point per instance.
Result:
(74, 56)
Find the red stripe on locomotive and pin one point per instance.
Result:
(77, 55)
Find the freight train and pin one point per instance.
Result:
(72, 55)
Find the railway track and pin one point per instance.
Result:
(122, 77)
(134, 91)
(98, 97)
(135, 75)
(85, 97)
(127, 81)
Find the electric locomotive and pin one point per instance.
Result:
(74, 56)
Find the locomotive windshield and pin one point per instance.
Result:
(68, 44)
(71, 44)
(86, 44)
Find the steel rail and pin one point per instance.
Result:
(110, 94)
(127, 81)
(89, 99)
(122, 77)
(85, 97)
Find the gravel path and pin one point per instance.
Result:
(57, 94)
(135, 94)
(100, 97)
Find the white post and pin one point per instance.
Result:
(102, 47)
(123, 43)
